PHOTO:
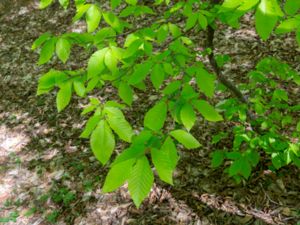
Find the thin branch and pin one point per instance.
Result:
(213, 63)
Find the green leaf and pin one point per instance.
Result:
(132, 48)
(79, 88)
(88, 109)
(64, 3)
(140, 73)
(102, 142)
(132, 2)
(47, 51)
(165, 160)
(241, 6)
(156, 116)
(92, 83)
(291, 7)
(298, 126)
(113, 21)
(162, 33)
(174, 29)
(207, 111)
(96, 63)
(118, 123)
(93, 17)
(185, 138)
(133, 152)
(64, 95)
(140, 181)
(230, 4)
(188, 116)
(172, 87)
(117, 52)
(240, 167)
(205, 82)
(90, 126)
(218, 137)
(157, 76)
(130, 39)
(129, 10)
(81, 10)
(266, 17)
(79, 2)
(48, 81)
(126, 93)
(45, 3)
(288, 25)
(280, 94)
(191, 21)
(298, 37)
(188, 93)
(117, 175)
(115, 3)
(296, 160)
(202, 21)
(217, 158)
(233, 155)
(168, 68)
(253, 157)
(38, 42)
(63, 49)
(114, 104)
(276, 160)
(287, 157)
(111, 61)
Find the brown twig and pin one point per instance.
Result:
(220, 76)
(218, 72)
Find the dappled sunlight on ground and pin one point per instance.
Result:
(11, 142)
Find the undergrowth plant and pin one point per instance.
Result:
(153, 45)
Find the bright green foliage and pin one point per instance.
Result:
(93, 17)
(117, 175)
(64, 96)
(125, 93)
(49, 80)
(96, 63)
(291, 6)
(90, 126)
(63, 47)
(157, 76)
(165, 160)
(45, 3)
(163, 57)
(188, 116)
(266, 17)
(217, 158)
(140, 180)
(140, 73)
(207, 111)
(185, 138)
(274, 114)
(205, 82)
(102, 142)
(118, 123)
(64, 3)
(115, 3)
(156, 116)
(38, 42)
(47, 51)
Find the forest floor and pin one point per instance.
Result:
(49, 175)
